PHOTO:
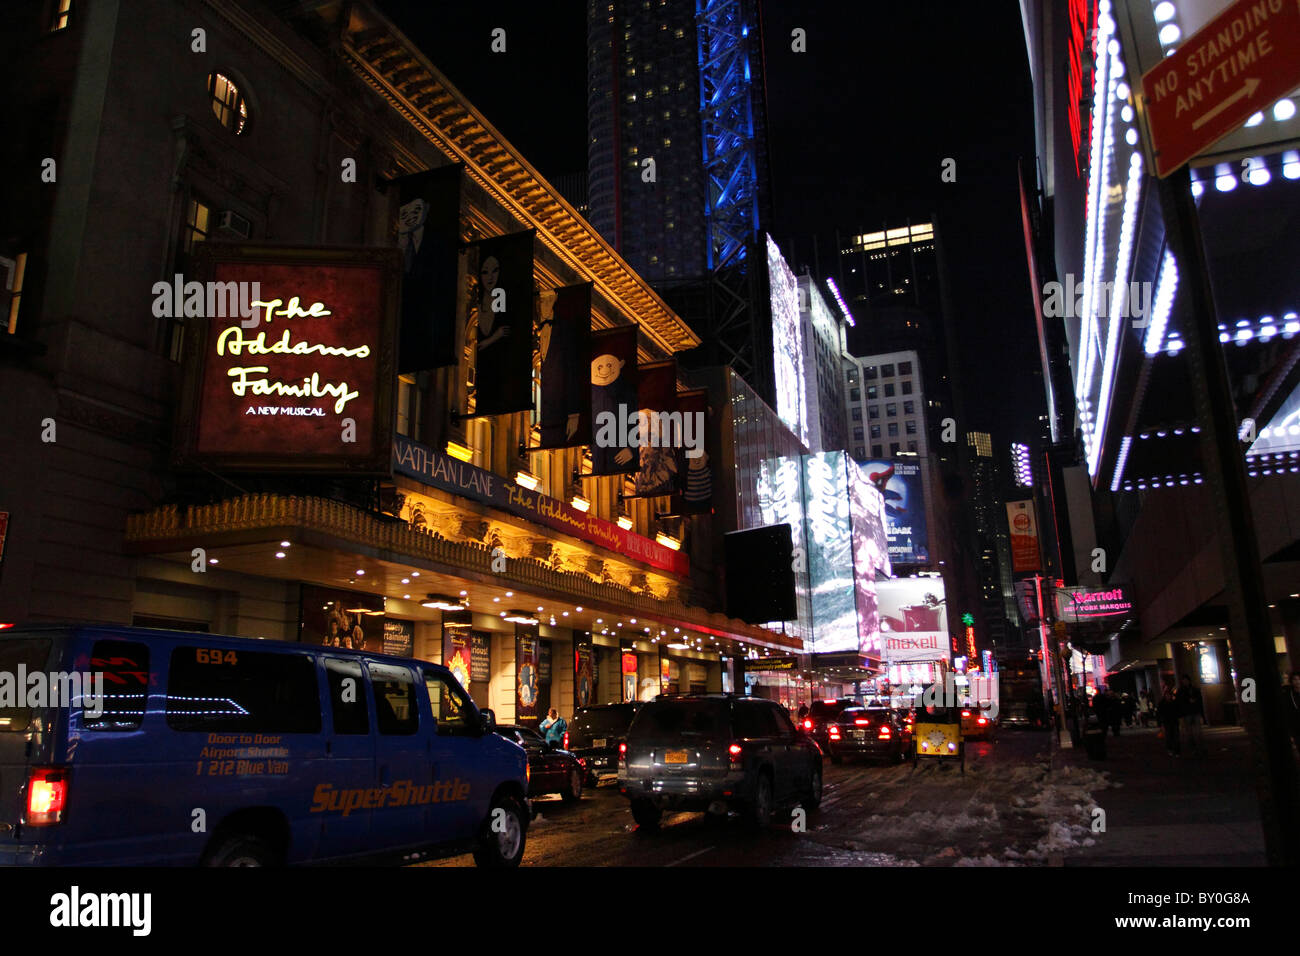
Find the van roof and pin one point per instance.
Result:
(158, 633)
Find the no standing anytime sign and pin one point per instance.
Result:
(1238, 63)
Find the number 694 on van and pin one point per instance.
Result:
(224, 751)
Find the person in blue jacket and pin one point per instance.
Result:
(553, 728)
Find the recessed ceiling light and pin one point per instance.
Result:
(279, 554)
(463, 593)
(415, 574)
(578, 608)
(284, 544)
(408, 581)
(510, 594)
(498, 601)
(360, 572)
(215, 561)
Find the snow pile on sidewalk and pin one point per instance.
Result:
(1064, 800)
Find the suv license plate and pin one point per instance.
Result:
(675, 756)
(599, 743)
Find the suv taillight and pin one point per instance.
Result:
(834, 731)
(807, 724)
(885, 732)
(47, 795)
(565, 744)
(622, 752)
(736, 753)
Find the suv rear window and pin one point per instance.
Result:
(822, 709)
(602, 721)
(659, 720)
(32, 654)
(211, 689)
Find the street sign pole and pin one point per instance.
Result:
(1225, 475)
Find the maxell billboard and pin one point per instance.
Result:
(913, 619)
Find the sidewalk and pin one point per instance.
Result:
(1173, 811)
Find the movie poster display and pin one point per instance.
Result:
(563, 353)
(501, 323)
(480, 657)
(332, 618)
(659, 429)
(428, 237)
(527, 652)
(584, 671)
(289, 358)
(456, 654)
(399, 637)
(901, 483)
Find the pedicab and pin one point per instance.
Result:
(936, 735)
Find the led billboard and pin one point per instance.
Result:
(787, 344)
(913, 619)
(901, 483)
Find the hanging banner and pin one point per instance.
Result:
(399, 637)
(665, 673)
(1024, 535)
(501, 323)
(480, 657)
(428, 235)
(526, 678)
(659, 430)
(544, 662)
(563, 353)
(584, 673)
(456, 653)
(613, 399)
(694, 469)
(289, 362)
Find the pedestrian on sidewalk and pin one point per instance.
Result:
(553, 728)
(1144, 707)
(1191, 715)
(1130, 709)
(1291, 707)
(1167, 715)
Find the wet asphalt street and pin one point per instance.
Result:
(999, 812)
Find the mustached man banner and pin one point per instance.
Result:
(658, 429)
(694, 470)
(428, 235)
(501, 323)
(613, 396)
(563, 354)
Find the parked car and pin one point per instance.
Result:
(717, 753)
(594, 736)
(550, 769)
(295, 753)
(820, 714)
(877, 733)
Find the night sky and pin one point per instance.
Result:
(860, 125)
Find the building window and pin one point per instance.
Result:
(869, 372)
(911, 427)
(19, 268)
(911, 446)
(893, 429)
(891, 409)
(909, 407)
(875, 431)
(887, 371)
(857, 433)
(907, 388)
(228, 103)
(904, 368)
(408, 407)
(871, 391)
(859, 452)
(856, 414)
(893, 449)
(61, 12)
(873, 411)
(197, 216)
(889, 390)
(877, 451)
(855, 394)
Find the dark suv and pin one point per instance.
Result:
(820, 715)
(873, 732)
(717, 752)
(594, 736)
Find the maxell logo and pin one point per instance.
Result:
(37, 690)
(75, 909)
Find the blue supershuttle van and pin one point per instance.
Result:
(199, 749)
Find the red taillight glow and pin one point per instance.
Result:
(736, 754)
(831, 701)
(734, 749)
(834, 731)
(6, 626)
(861, 723)
(47, 795)
(983, 720)
(565, 744)
(807, 724)
(965, 713)
(622, 752)
(885, 732)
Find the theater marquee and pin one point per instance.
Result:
(306, 381)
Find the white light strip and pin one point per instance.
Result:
(1166, 285)
(1124, 444)
(1118, 302)
(1096, 174)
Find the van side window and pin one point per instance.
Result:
(347, 689)
(217, 689)
(449, 709)
(395, 712)
(125, 666)
(30, 654)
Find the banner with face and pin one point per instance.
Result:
(428, 233)
(501, 324)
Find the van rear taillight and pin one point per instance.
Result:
(736, 754)
(622, 752)
(565, 745)
(47, 795)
